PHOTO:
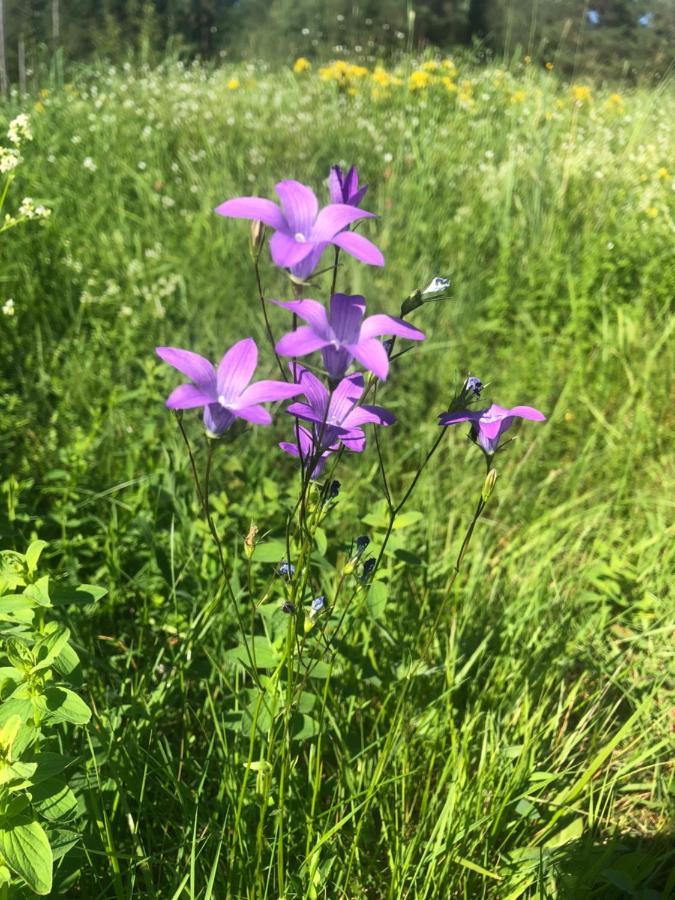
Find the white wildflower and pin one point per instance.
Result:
(8, 307)
(20, 130)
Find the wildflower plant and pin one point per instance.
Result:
(19, 132)
(293, 627)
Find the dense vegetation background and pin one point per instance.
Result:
(280, 30)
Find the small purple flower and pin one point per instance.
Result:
(336, 415)
(225, 393)
(344, 188)
(302, 231)
(472, 385)
(343, 334)
(488, 425)
(318, 605)
(305, 449)
(286, 569)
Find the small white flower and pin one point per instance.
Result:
(9, 160)
(142, 165)
(20, 130)
(8, 307)
(89, 164)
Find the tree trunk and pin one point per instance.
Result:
(56, 23)
(22, 64)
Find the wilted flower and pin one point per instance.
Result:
(225, 393)
(302, 231)
(343, 334)
(335, 414)
(344, 188)
(488, 425)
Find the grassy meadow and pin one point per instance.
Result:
(506, 735)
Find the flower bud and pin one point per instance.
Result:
(256, 237)
(488, 485)
(249, 540)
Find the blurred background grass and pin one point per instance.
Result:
(532, 755)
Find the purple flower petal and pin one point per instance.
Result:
(333, 218)
(369, 415)
(372, 356)
(236, 369)
(528, 412)
(253, 208)
(312, 388)
(299, 205)
(300, 342)
(335, 188)
(345, 395)
(256, 415)
(193, 365)
(346, 313)
(287, 252)
(311, 311)
(336, 361)
(267, 392)
(377, 325)
(304, 269)
(359, 247)
(187, 396)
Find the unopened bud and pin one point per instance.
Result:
(257, 237)
(249, 540)
(488, 485)
(411, 303)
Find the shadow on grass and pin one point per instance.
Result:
(615, 868)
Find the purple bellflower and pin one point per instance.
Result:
(335, 415)
(305, 449)
(343, 334)
(488, 425)
(225, 392)
(302, 231)
(344, 188)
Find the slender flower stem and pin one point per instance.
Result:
(268, 326)
(335, 271)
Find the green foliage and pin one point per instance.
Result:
(37, 808)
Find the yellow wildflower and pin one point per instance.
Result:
(581, 93)
(44, 93)
(527, 60)
(449, 84)
(233, 84)
(301, 65)
(652, 212)
(549, 67)
(518, 96)
(39, 107)
(450, 67)
(615, 102)
(419, 80)
(430, 66)
(381, 77)
(663, 173)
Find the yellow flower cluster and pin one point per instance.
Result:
(345, 74)
(301, 65)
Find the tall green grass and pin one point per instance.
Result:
(530, 751)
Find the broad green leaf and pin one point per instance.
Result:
(83, 595)
(49, 647)
(321, 541)
(269, 552)
(49, 765)
(64, 705)
(67, 661)
(16, 706)
(63, 840)
(303, 727)
(33, 554)
(8, 733)
(39, 591)
(25, 848)
(406, 519)
(54, 800)
(259, 651)
(17, 608)
(19, 655)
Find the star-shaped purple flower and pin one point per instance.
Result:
(488, 425)
(335, 415)
(302, 231)
(343, 334)
(305, 449)
(344, 188)
(225, 392)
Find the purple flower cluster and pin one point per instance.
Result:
(329, 417)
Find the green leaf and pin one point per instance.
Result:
(33, 554)
(260, 651)
(49, 765)
(303, 727)
(48, 647)
(62, 841)
(84, 595)
(321, 541)
(26, 850)
(64, 705)
(19, 655)
(16, 608)
(269, 552)
(67, 661)
(54, 800)
(407, 519)
(39, 591)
